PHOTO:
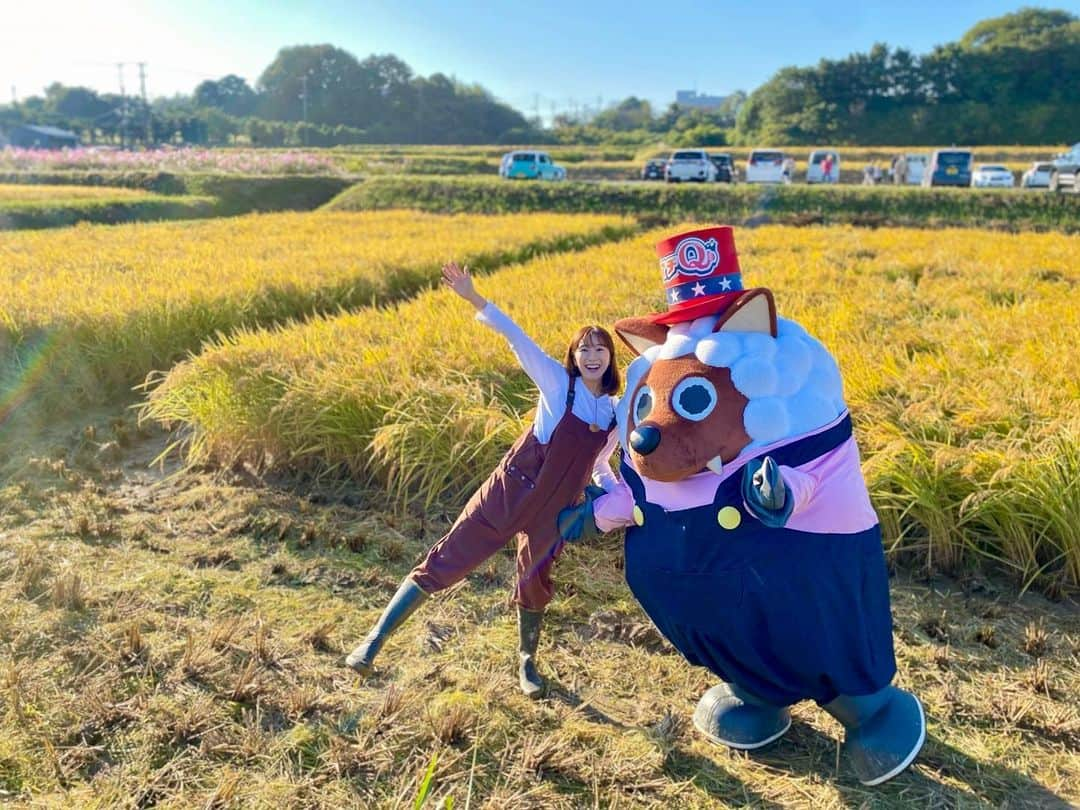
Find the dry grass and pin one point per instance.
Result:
(157, 681)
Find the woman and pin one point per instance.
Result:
(547, 468)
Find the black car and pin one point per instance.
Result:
(653, 170)
(725, 168)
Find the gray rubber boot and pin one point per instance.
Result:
(733, 717)
(529, 622)
(408, 598)
(883, 732)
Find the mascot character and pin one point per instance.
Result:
(750, 538)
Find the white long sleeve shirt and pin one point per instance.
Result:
(553, 382)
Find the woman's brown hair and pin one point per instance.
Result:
(610, 380)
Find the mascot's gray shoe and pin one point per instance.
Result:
(883, 732)
(731, 716)
(407, 599)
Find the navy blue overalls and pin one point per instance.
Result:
(787, 615)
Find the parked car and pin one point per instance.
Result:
(1066, 168)
(948, 167)
(531, 166)
(1038, 176)
(690, 164)
(765, 166)
(916, 168)
(725, 167)
(815, 172)
(653, 170)
(992, 175)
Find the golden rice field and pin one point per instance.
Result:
(30, 193)
(959, 350)
(89, 311)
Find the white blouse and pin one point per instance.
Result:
(551, 378)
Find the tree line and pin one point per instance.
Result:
(1010, 79)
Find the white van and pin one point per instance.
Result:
(815, 172)
(916, 168)
(765, 166)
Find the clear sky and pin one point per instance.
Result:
(535, 56)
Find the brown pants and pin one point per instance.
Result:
(504, 506)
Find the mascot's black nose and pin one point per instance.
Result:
(644, 439)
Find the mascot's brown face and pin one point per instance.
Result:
(686, 416)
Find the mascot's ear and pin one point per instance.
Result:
(640, 333)
(753, 311)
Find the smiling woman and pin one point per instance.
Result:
(547, 467)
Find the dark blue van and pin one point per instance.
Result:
(949, 167)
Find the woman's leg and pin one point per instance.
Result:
(470, 541)
(532, 593)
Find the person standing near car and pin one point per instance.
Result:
(788, 170)
(900, 170)
(546, 468)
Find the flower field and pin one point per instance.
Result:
(959, 350)
(88, 312)
(230, 161)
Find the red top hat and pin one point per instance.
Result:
(701, 274)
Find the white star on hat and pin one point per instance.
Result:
(699, 289)
(725, 284)
(674, 296)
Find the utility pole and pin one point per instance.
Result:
(303, 98)
(123, 103)
(146, 104)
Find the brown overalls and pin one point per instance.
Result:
(522, 496)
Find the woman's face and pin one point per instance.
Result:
(592, 358)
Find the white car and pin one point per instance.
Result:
(690, 164)
(992, 175)
(765, 166)
(916, 168)
(1038, 176)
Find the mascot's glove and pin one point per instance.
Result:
(577, 522)
(766, 494)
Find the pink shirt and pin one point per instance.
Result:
(829, 491)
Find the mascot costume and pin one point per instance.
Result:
(750, 538)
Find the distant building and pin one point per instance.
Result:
(691, 98)
(29, 136)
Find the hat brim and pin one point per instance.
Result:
(713, 305)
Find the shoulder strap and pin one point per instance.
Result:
(570, 394)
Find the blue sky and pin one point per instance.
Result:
(557, 55)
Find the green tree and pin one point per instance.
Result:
(231, 94)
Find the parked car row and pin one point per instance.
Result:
(944, 167)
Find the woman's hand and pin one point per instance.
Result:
(458, 279)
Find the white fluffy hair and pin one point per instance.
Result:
(791, 381)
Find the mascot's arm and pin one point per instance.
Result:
(598, 512)
(767, 493)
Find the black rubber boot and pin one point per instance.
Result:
(407, 599)
(529, 622)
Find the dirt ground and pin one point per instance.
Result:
(174, 638)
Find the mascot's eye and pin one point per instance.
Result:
(694, 398)
(643, 403)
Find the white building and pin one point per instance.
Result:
(691, 98)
